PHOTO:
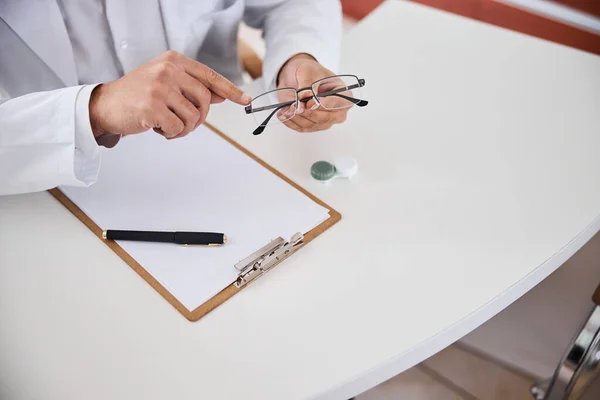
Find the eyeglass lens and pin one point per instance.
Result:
(279, 104)
(342, 91)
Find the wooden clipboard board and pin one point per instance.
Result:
(230, 290)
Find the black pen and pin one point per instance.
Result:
(184, 238)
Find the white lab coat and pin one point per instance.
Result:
(45, 138)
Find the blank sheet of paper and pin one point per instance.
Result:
(197, 183)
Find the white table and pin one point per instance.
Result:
(479, 175)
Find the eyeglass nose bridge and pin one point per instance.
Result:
(306, 99)
(248, 109)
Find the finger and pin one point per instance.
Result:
(305, 94)
(293, 125)
(185, 110)
(312, 105)
(341, 116)
(197, 93)
(215, 82)
(324, 117)
(168, 124)
(321, 115)
(308, 126)
(191, 88)
(203, 109)
(299, 121)
(335, 102)
(304, 124)
(318, 117)
(321, 120)
(216, 99)
(286, 113)
(306, 77)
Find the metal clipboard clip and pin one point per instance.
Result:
(264, 259)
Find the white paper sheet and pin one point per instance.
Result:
(197, 183)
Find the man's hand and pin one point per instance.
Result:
(171, 94)
(299, 72)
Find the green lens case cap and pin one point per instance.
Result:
(323, 170)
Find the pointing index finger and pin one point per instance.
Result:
(216, 82)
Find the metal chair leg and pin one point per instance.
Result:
(538, 389)
(579, 365)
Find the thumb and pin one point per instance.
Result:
(306, 76)
(304, 79)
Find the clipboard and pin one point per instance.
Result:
(249, 269)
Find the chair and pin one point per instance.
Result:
(580, 364)
(251, 62)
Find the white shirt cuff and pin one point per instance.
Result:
(87, 152)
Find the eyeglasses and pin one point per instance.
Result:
(331, 93)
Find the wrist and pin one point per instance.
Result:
(94, 110)
(103, 137)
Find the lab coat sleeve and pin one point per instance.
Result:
(46, 141)
(296, 26)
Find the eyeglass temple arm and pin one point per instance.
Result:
(262, 126)
(250, 110)
(357, 102)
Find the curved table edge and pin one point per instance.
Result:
(408, 359)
